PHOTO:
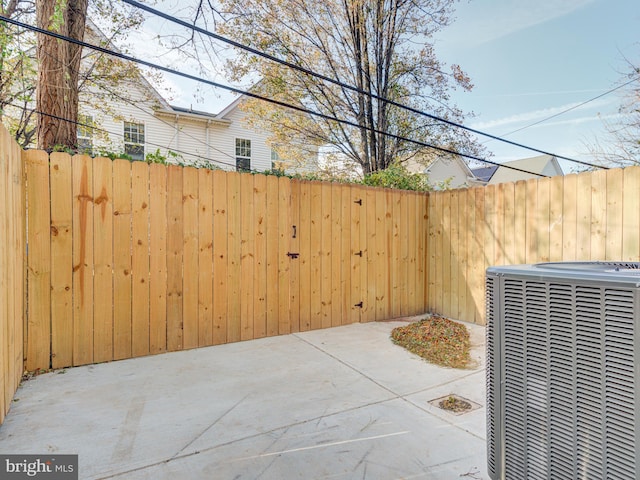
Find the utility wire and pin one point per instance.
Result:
(635, 79)
(118, 134)
(256, 96)
(150, 112)
(320, 76)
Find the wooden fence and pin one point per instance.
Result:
(589, 216)
(134, 259)
(12, 284)
(129, 259)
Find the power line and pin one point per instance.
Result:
(254, 95)
(117, 134)
(574, 107)
(334, 81)
(149, 112)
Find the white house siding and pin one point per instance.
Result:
(185, 135)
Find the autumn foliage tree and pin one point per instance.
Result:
(382, 47)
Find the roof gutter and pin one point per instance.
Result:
(191, 116)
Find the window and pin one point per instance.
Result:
(85, 134)
(134, 140)
(276, 162)
(243, 155)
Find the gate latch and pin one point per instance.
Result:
(292, 255)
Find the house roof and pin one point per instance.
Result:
(196, 115)
(541, 165)
(484, 174)
(165, 108)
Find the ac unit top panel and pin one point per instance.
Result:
(624, 274)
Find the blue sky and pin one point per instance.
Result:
(532, 59)
(528, 60)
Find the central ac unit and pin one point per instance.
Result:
(563, 369)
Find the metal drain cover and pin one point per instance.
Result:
(455, 404)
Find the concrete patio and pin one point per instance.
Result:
(341, 403)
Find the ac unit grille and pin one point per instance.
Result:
(561, 378)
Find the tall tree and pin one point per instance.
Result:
(17, 70)
(58, 70)
(382, 47)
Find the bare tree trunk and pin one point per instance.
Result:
(58, 70)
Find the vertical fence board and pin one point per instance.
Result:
(422, 219)
(614, 215)
(381, 265)
(453, 260)
(337, 259)
(175, 245)
(103, 260)
(39, 262)
(631, 214)
(234, 252)
(316, 255)
(122, 259)
(283, 263)
(499, 234)
(348, 261)
(432, 254)
(403, 250)
(471, 253)
(542, 218)
(569, 217)
(510, 224)
(61, 261)
(140, 258)
(205, 257)
(305, 233)
(556, 218)
(598, 214)
(463, 262)
(445, 255)
(325, 255)
(522, 205)
(294, 263)
(412, 230)
(368, 239)
(358, 291)
(248, 257)
(220, 257)
(583, 217)
(530, 199)
(272, 258)
(190, 257)
(259, 253)
(477, 257)
(82, 260)
(158, 258)
(439, 267)
(395, 250)
(489, 240)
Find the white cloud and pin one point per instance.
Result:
(488, 21)
(537, 115)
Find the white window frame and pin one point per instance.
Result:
(85, 134)
(243, 154)
(134, 137)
